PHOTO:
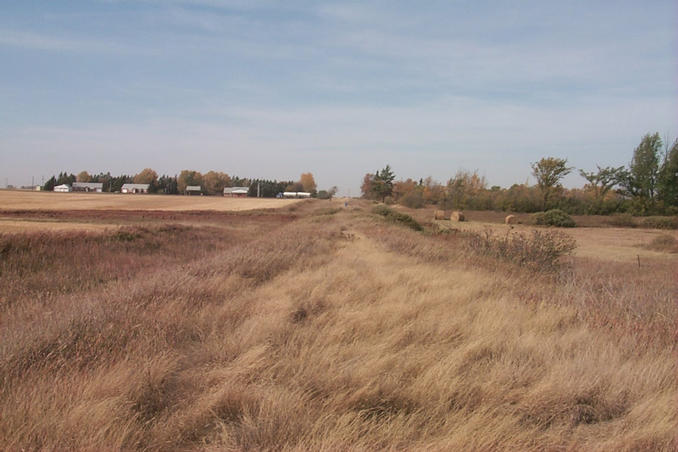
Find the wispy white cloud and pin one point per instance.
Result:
(53, 42)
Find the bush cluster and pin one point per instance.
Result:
(660, 222)
(541, 250)
(413, 199)
(554, 217)
(397, 217)
(622, 220)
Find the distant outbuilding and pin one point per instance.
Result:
(193, 190)
(296, 194)
(236, 192)
(63, 188)
(135, 188)
(96, 187)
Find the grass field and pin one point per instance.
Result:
(319, 327)
(594, 240)
(28, 200)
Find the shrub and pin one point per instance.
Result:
(554, 217)
(622, 220)
(126, 235)
(660, 222)
(397, 217)
(540, 251)
(413, 199)
(326, 211)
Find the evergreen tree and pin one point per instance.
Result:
(383, 183)
(50, 184)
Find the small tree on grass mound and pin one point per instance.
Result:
(554, 217)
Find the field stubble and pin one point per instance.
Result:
(28, 200)
(331, 329)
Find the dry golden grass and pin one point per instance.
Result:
(333, 331)
(27, 200)
(607, 244)
(12, 226)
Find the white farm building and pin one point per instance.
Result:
(63, 188)
(296, 194)
(236, 192)
(135, 188)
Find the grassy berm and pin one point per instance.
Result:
(330, 329)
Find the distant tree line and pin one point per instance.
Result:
(211, 183)
(648, 185)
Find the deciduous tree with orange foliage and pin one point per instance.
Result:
(83, 176)
(146, 176)
(308, 182)
(215, 181)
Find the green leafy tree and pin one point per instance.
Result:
(549, 171)
(327, 194)
(602, 181)
(667, 186)
(643, 174)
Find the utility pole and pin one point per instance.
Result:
(258, 189)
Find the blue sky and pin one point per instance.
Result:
(273, 89)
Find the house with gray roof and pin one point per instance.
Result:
(236, 192)
(135, 188)
(193, 190)
(96, 187)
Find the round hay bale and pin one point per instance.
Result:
(457, 215)
(442, 214)
(511, 219)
